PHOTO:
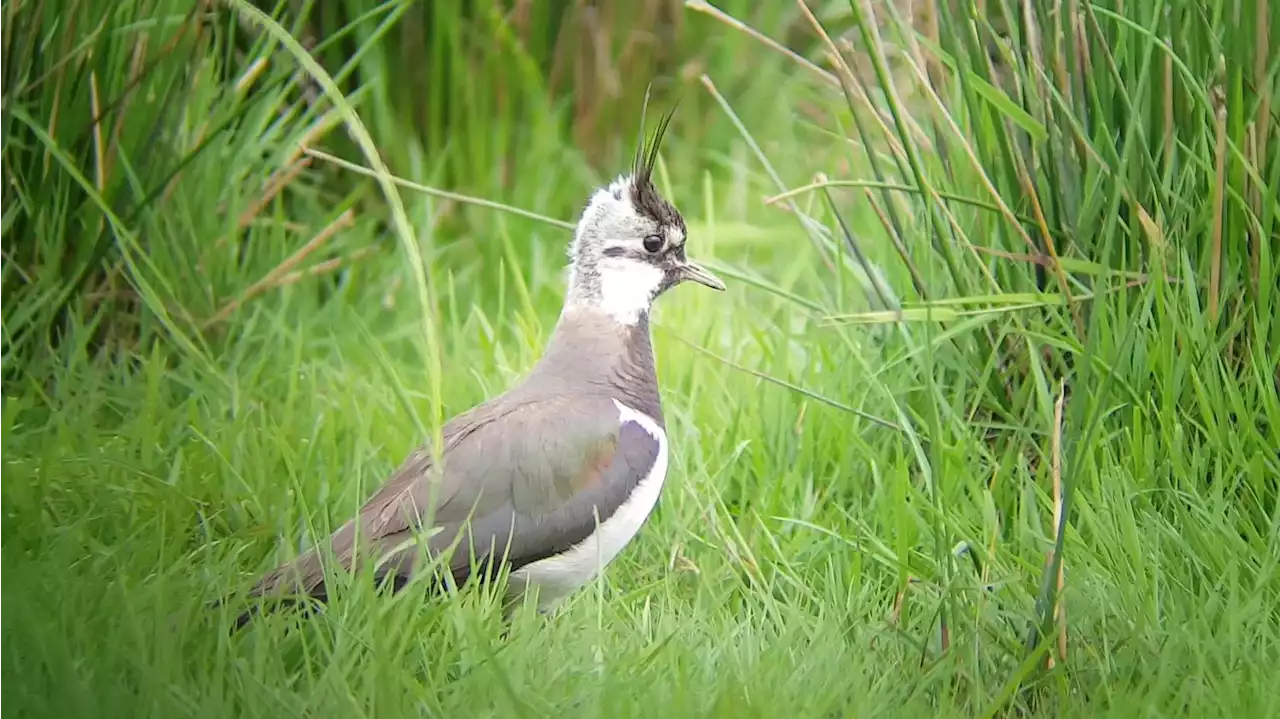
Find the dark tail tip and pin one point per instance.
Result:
(245, 617)
(241, 620)
(264, 605)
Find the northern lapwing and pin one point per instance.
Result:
(554, 477)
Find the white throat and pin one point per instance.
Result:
(625, 292)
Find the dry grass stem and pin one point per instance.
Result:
(272, 278)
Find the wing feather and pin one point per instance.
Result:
(516, 490)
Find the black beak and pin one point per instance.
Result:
(693, 272)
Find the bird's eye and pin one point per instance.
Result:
(652, 243)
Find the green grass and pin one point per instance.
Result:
(862, 513)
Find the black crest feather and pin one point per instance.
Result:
(644, 194)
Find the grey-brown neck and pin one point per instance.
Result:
(591, 352)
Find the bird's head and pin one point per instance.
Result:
(629, 245)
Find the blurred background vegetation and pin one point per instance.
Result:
(1005, 301)
(123, 110)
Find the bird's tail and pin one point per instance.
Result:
(296, 584)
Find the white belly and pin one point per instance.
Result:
(559, 576)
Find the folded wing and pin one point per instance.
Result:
(520, 482)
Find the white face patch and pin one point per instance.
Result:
(622, 287)
(627, 288)
(675, 236)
